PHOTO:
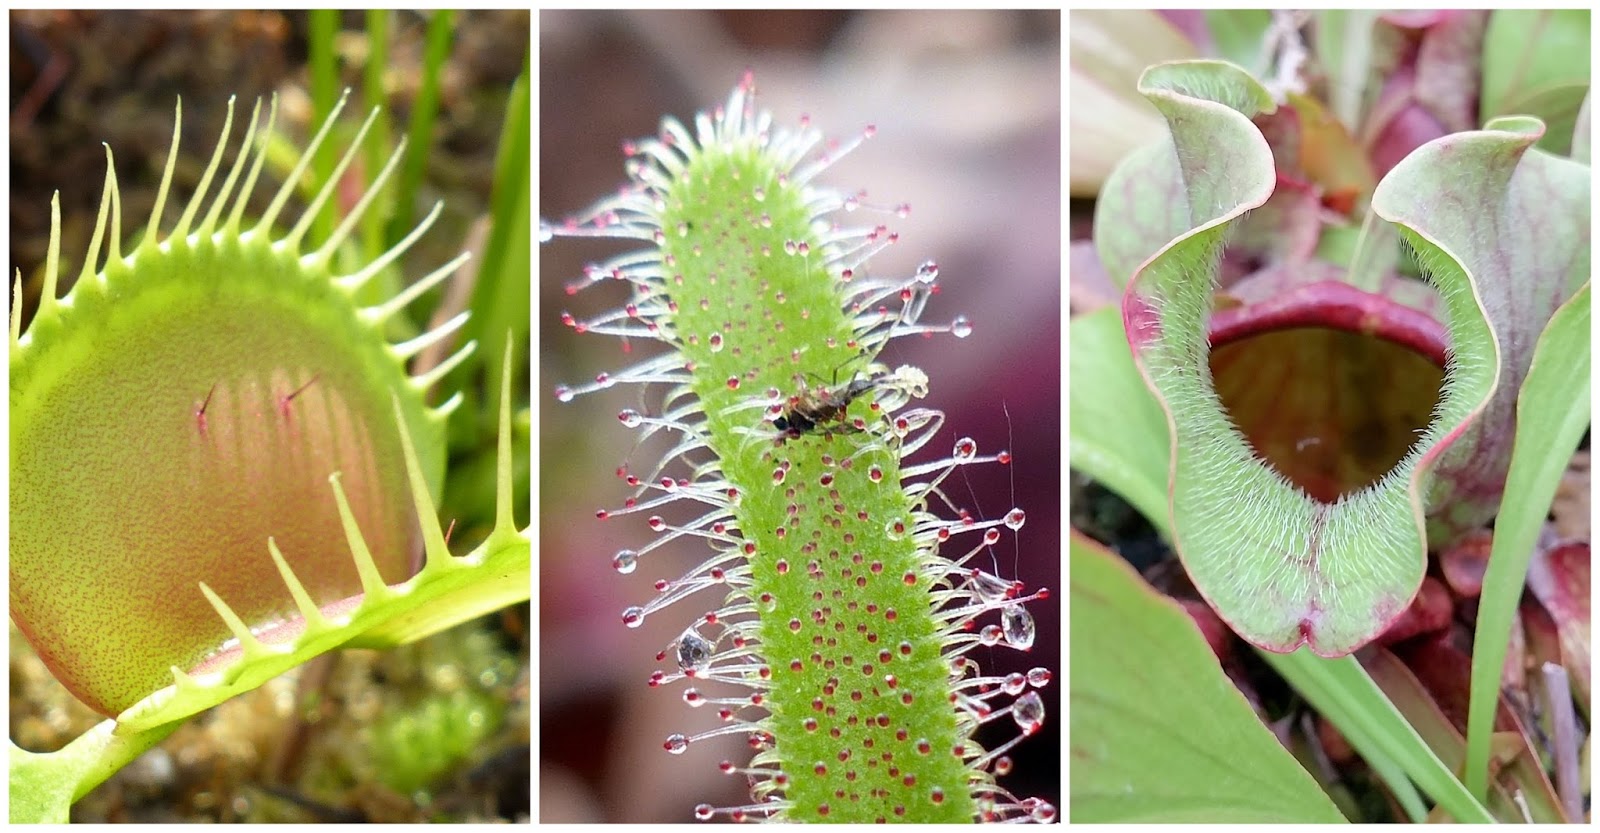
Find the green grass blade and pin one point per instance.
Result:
(324, 26)
(502, 294)
(1343, 692)
(424, 112)
(378, 146)
(1553, 410)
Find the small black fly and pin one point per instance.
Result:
(813, 409)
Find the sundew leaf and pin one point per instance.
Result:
(1159, 733)
(1282, 568)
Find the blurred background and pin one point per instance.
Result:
(967, 109)
(437, 731)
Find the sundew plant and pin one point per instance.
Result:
(837, 615)
(229, 450)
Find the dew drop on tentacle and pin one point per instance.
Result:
(1015, 519)
(693, 652)
(625, 561)
(1028, 712)
(961, 327)
(1017, 624)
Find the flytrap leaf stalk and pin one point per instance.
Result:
(842, 627)
(221, 467)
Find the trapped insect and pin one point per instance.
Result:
(810, 410)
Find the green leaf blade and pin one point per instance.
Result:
(1119, 432)
(1159, 733)
(1553, 412)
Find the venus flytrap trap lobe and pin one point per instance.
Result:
(842, 624)
(177, 422)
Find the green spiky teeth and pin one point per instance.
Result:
(187, 402)
(447, 591)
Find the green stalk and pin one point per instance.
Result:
(424, 112)
(377, 147)
(324, 26)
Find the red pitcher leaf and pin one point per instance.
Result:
(1542, 635)
(1560, 579)
(1445, 673)
(1430, 612)
(1331, 157)
(1464, 562)
(1570, 511)
(1446, 740)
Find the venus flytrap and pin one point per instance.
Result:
(842, 627)
(221, 467)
